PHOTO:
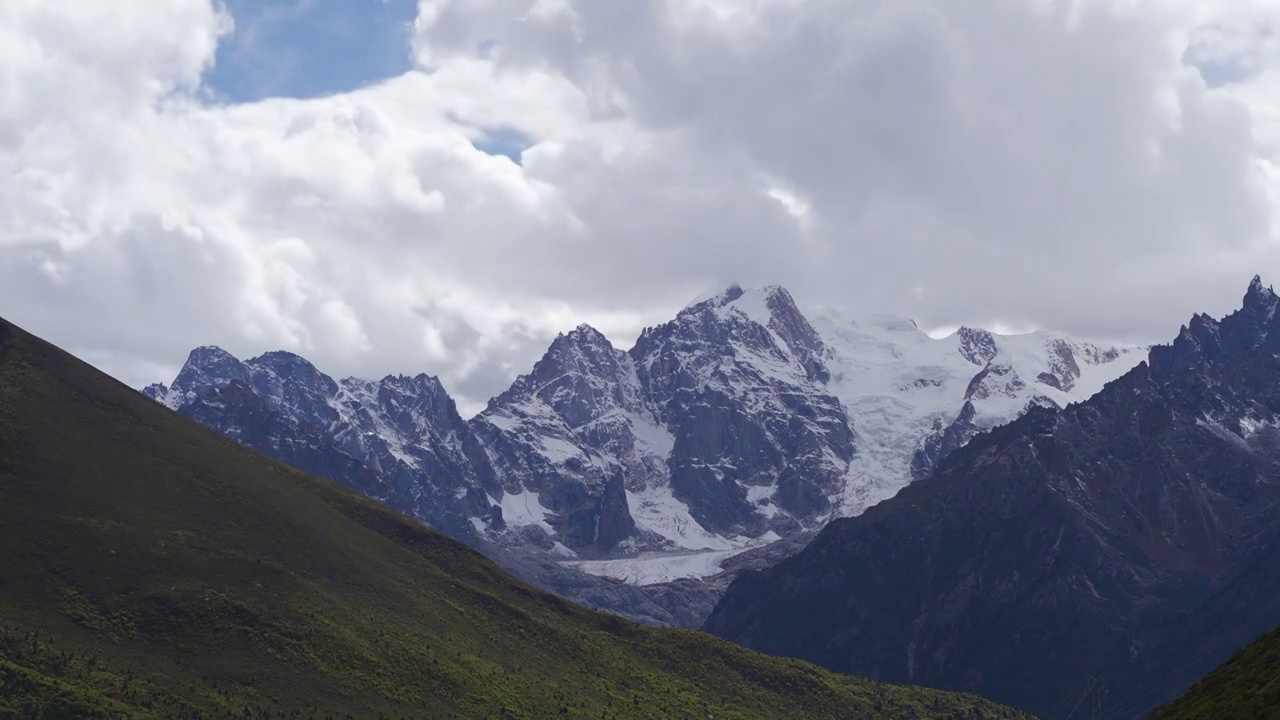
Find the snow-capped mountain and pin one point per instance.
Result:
(1130, 537)
(914, 399)
(399, 440)
(739, 380)
(689, 441)
(738, 422)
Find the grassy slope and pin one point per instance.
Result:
(151, 568)
(1246, 687)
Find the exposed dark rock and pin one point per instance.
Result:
(1063, 367)
(977, 346)
(943, 442)
(994, 379)
(613, 519)
(1050, 379)
(281, 405)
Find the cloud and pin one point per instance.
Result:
(1006, 156)
(1043, 163)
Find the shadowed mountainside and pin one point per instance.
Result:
(1118, 548)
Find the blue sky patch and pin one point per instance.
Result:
(310, 48)
(506, 142)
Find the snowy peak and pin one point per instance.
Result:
(976, 346)
(913, 399)
(715, 299)
(1259, 308)
(758, 334)
(770, 307)
(755, 420)
(714, 425)
(568, 440)
(293, 369)
(579, 379)
(584, 351)
(418, 407)
(1258, 295)
(792, 326)
(1260, 303)
(205, 367)
(399, 440)
(739, 381)
(209, 364)
(1063, 370)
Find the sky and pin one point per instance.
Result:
(310, 48)
(389, 186)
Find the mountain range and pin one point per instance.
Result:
(153, 569)
(1095, 556)
(1107, 553)
(740, 422)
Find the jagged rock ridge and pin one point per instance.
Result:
(400, 439)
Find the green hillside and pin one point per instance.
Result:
(1246, 687)
(153, 569)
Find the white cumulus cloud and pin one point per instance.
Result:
(1103, 167)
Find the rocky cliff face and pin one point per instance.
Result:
(739, 381)
(737, 423)
(713, 430)
(1110, 551)
(577, 432)
(399, 440)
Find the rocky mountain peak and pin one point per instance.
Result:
(420, 384)
(584, 347)
(1207, 343)
(418, 404)
(791, 325)
(580, 374)
(584, 332)
(763, 321)
(209, 364)
(715, 299)
(399, 439)
(1259, 295)
(976, 345)
(1260, 303)
(292, 369)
